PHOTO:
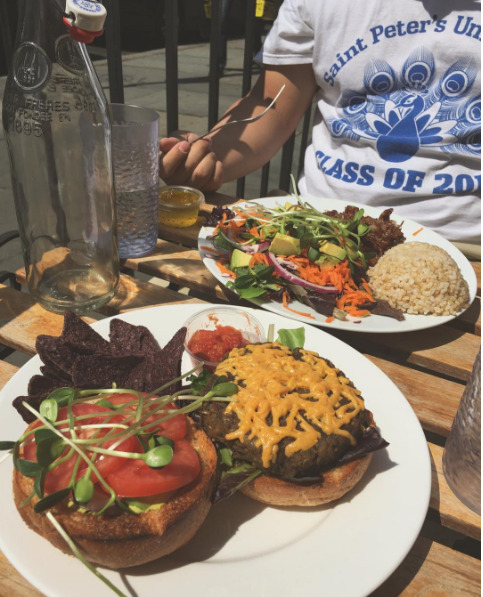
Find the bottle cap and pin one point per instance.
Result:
(85, 19)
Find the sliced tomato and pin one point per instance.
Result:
(182, 470)
(30, 448)
(59, 477)
(174, 428)
(136, 479)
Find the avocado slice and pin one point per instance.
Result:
(285, 245)
(332, 250)
(326, 261)
(240, 259)
(138, 506)
(351, 249)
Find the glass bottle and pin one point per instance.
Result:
(58, 135)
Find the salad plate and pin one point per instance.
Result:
(345, 549)
(413, 232)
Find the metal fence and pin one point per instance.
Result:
(116, 87)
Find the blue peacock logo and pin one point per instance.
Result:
(404, 113)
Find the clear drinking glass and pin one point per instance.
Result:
(462, 452)
(136, 177)
(59, 143)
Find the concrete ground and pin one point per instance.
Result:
(144, 83)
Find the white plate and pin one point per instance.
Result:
(374, 323)
(342, 550)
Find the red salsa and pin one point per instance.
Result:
(213, 345)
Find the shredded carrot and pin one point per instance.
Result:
(258, 258)
(225, 270)
(339, 276)
(367, 288)
(329, 320)
(254, 231)
(211, 250)
(418, 231)
(285, 304)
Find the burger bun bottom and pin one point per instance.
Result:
(333, 485)
(127, 540)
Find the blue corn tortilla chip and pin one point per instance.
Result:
(101, 371)
(54, 353)
(81, 358)
(33, 401)
(53, 372)
(43, 386)
(137, 377)
(127, 339)
(81, 338)
(166, 364)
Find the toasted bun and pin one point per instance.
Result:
(130, 540)
(334, 484)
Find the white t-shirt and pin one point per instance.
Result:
(399, 105)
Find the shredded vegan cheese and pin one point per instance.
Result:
(304, 393)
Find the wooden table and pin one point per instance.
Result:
(429, 367)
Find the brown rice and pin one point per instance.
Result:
(419, 278)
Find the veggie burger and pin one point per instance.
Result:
(298, 425)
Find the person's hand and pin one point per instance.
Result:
(192, 165)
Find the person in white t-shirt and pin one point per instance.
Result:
(397, 87)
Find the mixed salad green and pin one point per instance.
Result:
(294, 252)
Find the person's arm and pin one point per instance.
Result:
(242, 148)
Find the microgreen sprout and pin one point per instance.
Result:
(49, 408)
(57, 440)
(79, 555)
(311, 227)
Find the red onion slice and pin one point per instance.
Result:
(272, 259)
(245, 248)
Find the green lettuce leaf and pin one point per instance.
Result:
(292, 338)
(234, 479)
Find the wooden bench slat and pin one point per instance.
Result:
(453, 513)
(187, 237)
(442, 349)
(6, 372)
(12, 583)
(138, 294)
(22, 319)
(134, 294)
(434, 400)
(180, 265)
(433, 570)
(470, 320)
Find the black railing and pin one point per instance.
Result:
(116, 87)
(6, 34)
(214, 76)
(114, 56)
(171, 18)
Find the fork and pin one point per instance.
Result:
(252, 119)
